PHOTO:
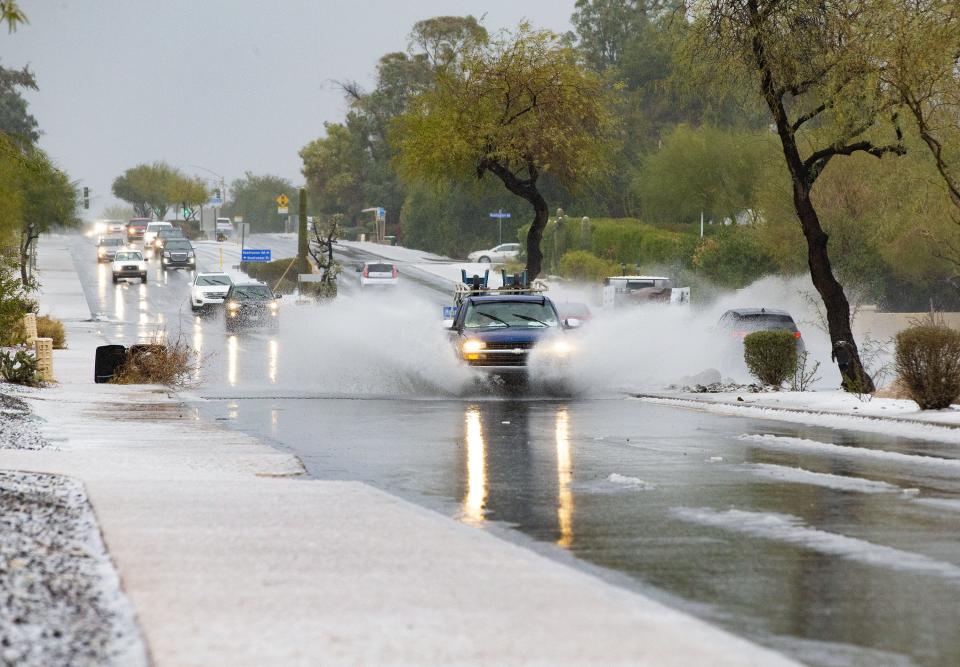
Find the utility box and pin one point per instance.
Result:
(108, 361)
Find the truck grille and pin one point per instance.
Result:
(495, 359)
(178, 256)
(525, 345)
(129, 268)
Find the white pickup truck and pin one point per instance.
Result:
(224, 229)
(619, 291)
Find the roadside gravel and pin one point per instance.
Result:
(60, 597)
(18, 428)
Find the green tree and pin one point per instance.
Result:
(706, 170)
(811, 64)
(335, 167)
(15, 121)
(152, 188)
(254, 198)
(187, 195)
(515, 108)
(11, 14)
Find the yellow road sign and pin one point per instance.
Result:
(282, 201)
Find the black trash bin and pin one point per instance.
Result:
(109, 359)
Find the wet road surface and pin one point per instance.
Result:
(836, 547)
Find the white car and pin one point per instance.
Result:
(378, 273)
(501, 253)
(208, 289)
(129, 264)
(153, 229)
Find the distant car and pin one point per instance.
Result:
(501, 253)
(111, 227)
(178, 254)
(151, 232)
(739, 322)
(251, 304)
(378, 273)
(574, 310)
(209, 289)
(166, 234)
(107, 248)
(137, 227)
(224, 229)
(129, 264)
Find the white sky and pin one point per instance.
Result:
(233, 86)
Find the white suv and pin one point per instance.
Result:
(153, 229)
(501, 253)
(129, 264)
(208, 289)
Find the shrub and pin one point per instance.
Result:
(172, 365)
(19, 368)
(771, 356)
(583, 265)
(927, 361)
(270, 272)
(50, 327)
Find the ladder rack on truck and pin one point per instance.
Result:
(477, 285)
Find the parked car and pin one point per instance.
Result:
(251, 304)
(501, 253)
(152, 230)
(129, 264)
(107, 248)
(178, 254)
(166, 234)
(377, 274)
(136, 228)
(209, 289)
(739, 322)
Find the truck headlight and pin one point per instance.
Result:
(274, 306)
(232, 307)
(472, 346)
(560, 348)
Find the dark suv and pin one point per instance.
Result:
(178, 254)
(251, 305)
(166, 235)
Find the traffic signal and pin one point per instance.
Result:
(86, 197)
(217, 193)
(186, 211)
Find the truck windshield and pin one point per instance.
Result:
(500, 314)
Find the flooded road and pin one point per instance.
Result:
(836, 547)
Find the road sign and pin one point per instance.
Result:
(238, 218)
(255, 255)
(215, 201)
(282, 210)
(283, 201)
(499, 214)
(381, 214)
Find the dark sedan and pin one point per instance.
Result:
(251, 305)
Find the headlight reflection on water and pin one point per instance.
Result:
(476, 497)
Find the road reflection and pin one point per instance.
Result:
(564, 477)
(476, 495)
(233, 345)
(273, 351)
(502, 456)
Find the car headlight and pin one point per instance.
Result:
(101, 251)
(472, 346)
(560, 348)
(233, 306)
(274, 306)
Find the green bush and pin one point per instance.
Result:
(50, 327)
(771, 356)
(733, 257)
(927, 361)
(583, 265)
(270, 272)
(19, 368)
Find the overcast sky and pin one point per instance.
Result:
(231, 85)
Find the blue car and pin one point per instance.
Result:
(495, 333)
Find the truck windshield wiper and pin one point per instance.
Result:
(492, 317)
(530, 319)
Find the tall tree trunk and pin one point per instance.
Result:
(541, 215)
(845, 352)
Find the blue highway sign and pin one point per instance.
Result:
(255, 255)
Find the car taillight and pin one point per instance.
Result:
(394, 272)
(796, 334)
(366, 272)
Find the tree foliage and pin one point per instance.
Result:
(515, 108)
(151, 189)
(254, 198)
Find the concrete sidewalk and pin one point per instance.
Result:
(229, 559)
